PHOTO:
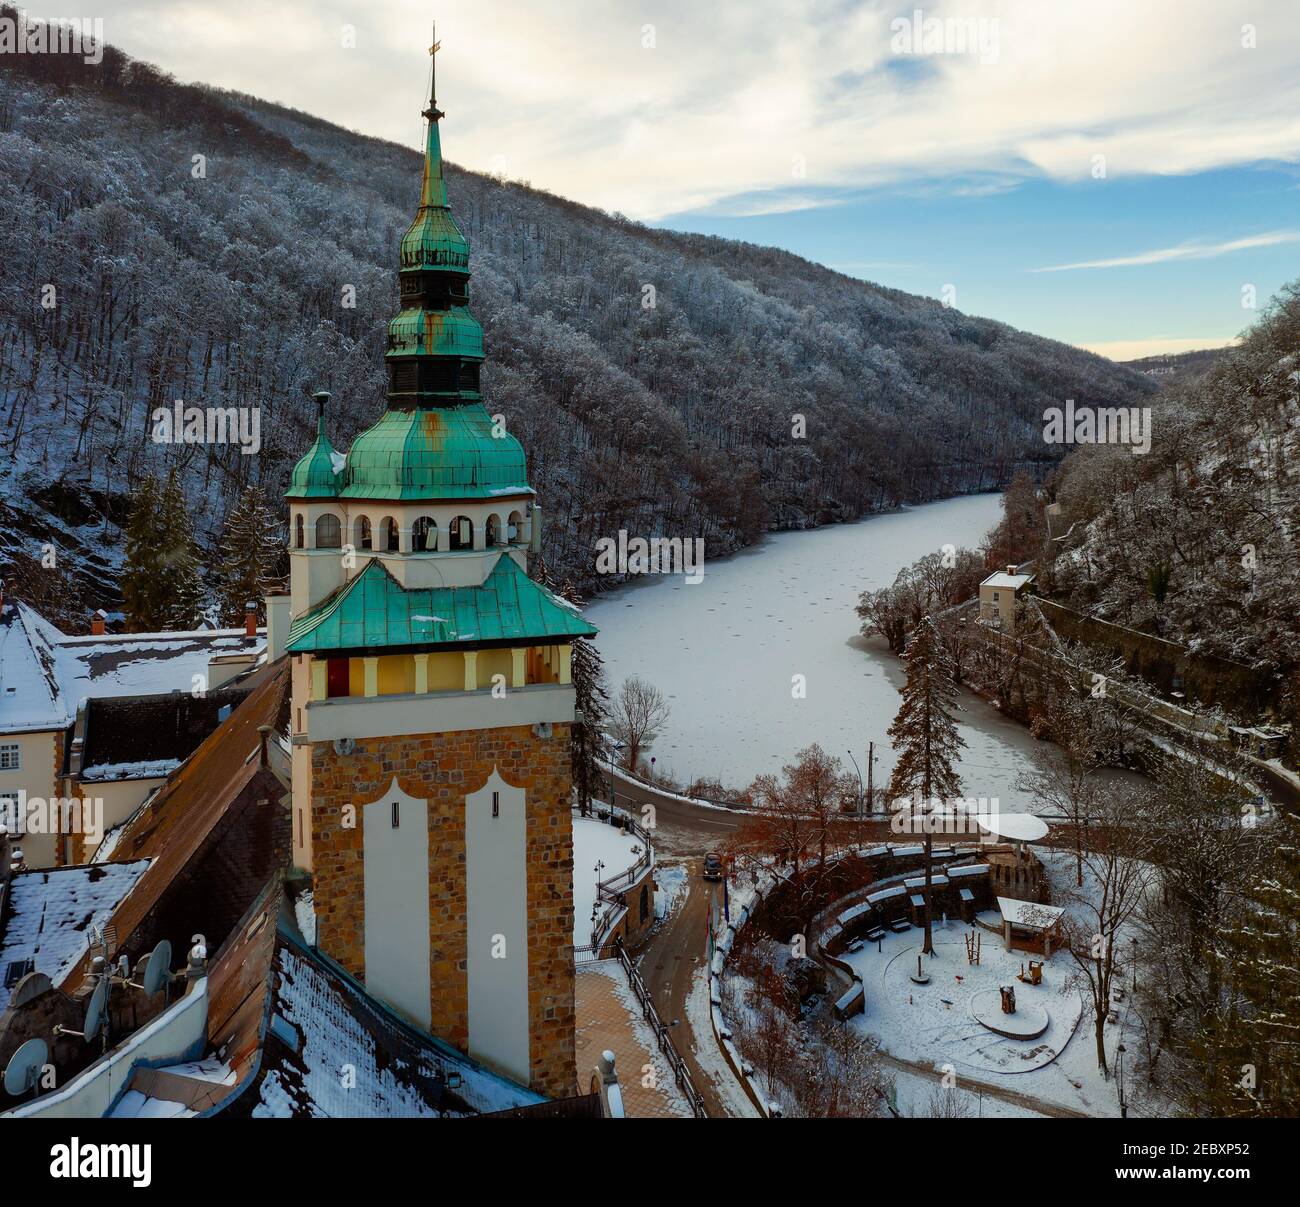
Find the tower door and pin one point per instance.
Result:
(337, 677)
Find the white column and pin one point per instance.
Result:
(372, 676)
(471, 670)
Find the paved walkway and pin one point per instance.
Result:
(608, 1017)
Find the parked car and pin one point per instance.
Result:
(713, 867)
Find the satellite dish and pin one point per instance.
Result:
(158, 968)
(25, 1065)
(95, 1011)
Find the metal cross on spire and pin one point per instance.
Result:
(433, 112)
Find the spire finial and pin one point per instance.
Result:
(433, 113)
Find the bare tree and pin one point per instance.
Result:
(636, 716)
(1066, 783)
(946, 1103)
(793, 824)
(1120, 876)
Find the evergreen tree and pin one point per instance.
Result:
(592, 700)
(250, 549)
(925, 736)
(144, 536)
(179, 586)
(1250, 1049)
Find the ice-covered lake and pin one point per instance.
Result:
(725, 652)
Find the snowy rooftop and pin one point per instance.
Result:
(321, 1023)
(1019, 827)
(1012, 582)
(50, 913)
(1029, 914)
(44, 673)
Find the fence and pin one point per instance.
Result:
(612, 892)
(681, 1074)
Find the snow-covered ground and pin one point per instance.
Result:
(708, 1056)
(934, 1023)
(914, 1095)
(594, 842)
(671, 879)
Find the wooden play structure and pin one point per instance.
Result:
(1008, 999)
(1035, 974)
(973, 947)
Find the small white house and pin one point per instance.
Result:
(998, 595)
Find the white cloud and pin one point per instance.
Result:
(734, 98)
(1184, 251)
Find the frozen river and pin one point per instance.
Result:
(725, 651)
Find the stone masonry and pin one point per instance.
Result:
(443, 768)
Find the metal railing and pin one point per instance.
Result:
(681, 1074)
(613, 891)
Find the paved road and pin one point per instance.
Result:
(669, 965)
(679, 829)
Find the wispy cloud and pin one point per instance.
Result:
(689, 105)
(1184, 251)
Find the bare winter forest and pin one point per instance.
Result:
(274, 273)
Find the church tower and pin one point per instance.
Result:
(432, 698)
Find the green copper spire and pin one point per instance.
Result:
(314, 476)
(433, 242)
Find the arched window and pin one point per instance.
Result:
(462, 533)
(515, 528)
(389, 535)
(364, 538)
(493, 531)
(328, 535)
(298, 540)
(424, 535)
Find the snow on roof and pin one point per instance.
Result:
(45, 673)
(143, 769)
(969, 869)
(936, 881)
(50, 913)
(335, 1024)
(1029, 914)
(1002, 579)
(29, 687)
(1019, 827)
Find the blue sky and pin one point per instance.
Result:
(914, 144)
(993, 249)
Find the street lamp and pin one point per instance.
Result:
(861, 789)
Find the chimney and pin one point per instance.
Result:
(263, 731)
(250, 618)
(97, 623)
(1011, 569)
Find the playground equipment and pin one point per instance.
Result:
(973, 947)
(1008, 998)
(919, 977)
(1035, 975)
